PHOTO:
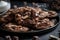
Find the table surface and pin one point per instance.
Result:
(45, 36)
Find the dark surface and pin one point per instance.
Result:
(44, 36)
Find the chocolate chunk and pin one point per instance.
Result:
(15, 38)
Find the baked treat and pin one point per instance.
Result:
(15, 28)
(44, 24)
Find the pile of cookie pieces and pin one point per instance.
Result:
(23, 19)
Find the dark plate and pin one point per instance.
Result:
(44, 6)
